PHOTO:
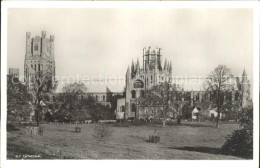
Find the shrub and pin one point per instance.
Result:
(240, 142)
(102, 132)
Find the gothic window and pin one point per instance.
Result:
(133, 107)
(138, 84)
(35, 67)
(36, 47)
(133, 93)
(151, 79)
(39, 67)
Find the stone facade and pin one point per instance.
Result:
(39, 56)
(141, 78)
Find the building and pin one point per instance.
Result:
(14, 72)
(39, 57)
(143, 77)
(139, 79)
(101, 93)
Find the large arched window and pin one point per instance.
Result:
(138, 84)
(133, 107)
(133, 93)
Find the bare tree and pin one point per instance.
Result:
(160, 95)
(39, 85)
(219, 84)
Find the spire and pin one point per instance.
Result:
(128, 71)
(170, 68)
(132, 69)
(244, 73)
(244, 76)
(165, 65)
(137, 67)
(156, 63)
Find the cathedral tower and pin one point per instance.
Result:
(141, 77)
(39, 56)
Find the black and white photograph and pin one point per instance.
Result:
(132, 83)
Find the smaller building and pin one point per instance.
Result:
(195, 113)
(214, 114)
(14, 72)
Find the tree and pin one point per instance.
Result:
(17, 101)
(186, 111)
(219, 84)
(240, 142)
(39, 85)
(76, 104)
(161, 96)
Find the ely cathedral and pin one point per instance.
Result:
(141, 78)
(152, 72)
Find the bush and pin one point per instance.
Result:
(240, 142)
(102, 132)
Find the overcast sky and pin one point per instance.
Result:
(104, 41)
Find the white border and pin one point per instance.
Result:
(122, 163)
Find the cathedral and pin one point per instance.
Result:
(140, 78)
(143, 77)
(39, 56)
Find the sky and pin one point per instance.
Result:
(92, 42)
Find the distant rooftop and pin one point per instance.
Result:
(93, 88)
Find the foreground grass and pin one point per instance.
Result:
(186, 141)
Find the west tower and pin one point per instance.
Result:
(39, 56)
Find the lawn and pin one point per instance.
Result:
(187, 141)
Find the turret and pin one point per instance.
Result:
(170, 68)
(128, 74)
(159, 59)
(43, 34)
(245, 89)
(52, 45)
(165, 65)
(137, 68)
(28, 43)
(132, 69)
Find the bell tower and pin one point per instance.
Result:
(39, 56)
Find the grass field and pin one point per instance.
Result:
(187, 141)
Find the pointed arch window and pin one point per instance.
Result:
(133, 93)
(133, 107)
